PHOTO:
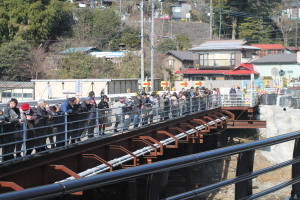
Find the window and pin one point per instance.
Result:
(171, 62)
(203, 59)
(6, 94)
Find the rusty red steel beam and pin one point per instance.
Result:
(211, 119)
(220, 123)
(135, 159)
(11, 185)
(154, 154)
(172, 136)
(232, 116)
(159, 153)
(246, 124)
(202, 122)
(66, 170)
(182, 131)
(195, 135)
(70, 172)
(99, 159)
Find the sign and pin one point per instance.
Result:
(184, 84)
(247, 99)
(188, 15)
(128, 90)
(281, 73)
(146, 84)
(164, 83)
(197, 83)
(78, 87)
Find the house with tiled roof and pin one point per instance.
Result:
(266, 49)
(274, 68)
(179, 60)
(80, 50)
(213, 58)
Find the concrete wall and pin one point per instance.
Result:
(59, 90)
(214, 84)
(265, 70)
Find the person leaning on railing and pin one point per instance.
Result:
(28, 115)
(147, 108)
(138, 103)
(127, 112)
(12, 115)
(103, 112)
(43, 121)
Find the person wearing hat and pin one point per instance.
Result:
(27, 114)
(103, 110)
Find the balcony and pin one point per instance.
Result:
(216, 64)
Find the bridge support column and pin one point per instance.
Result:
(244, 166)
(157, 185)
(295, 169)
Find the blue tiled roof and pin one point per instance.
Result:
(80, 49)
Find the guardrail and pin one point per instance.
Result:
(242, 181)
(35, 136)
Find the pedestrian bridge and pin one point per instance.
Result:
(89, 164)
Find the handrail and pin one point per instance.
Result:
(60, 189)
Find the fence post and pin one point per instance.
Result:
(66, 129)
(24, 137)
(244, 166)
(295, 169)
(191, 105)
(97, 122)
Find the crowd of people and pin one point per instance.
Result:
(44, 122)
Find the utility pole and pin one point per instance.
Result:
(220, 26)
(210, 21)
(297, 24)
(142, 43)
(152, 46)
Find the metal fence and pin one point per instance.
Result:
(22, 140)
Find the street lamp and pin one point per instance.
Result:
(63, 85)
(92, 86)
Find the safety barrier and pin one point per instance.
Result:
(21, 140)
(242, 181)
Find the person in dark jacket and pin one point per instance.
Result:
(138, 106)
(28, 115)
(104, 110)
(92, 121)
(12, 115)
(43, 120)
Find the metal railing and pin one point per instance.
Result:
(243, 177)
(42, 135)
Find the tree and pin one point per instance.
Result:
(130, 66)
(183, 42)
(106, 26)
(34, 21)
(13, 54)
(167, 45)
(78, 66)
(235, 12)
(131, 37)
(254, 32)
